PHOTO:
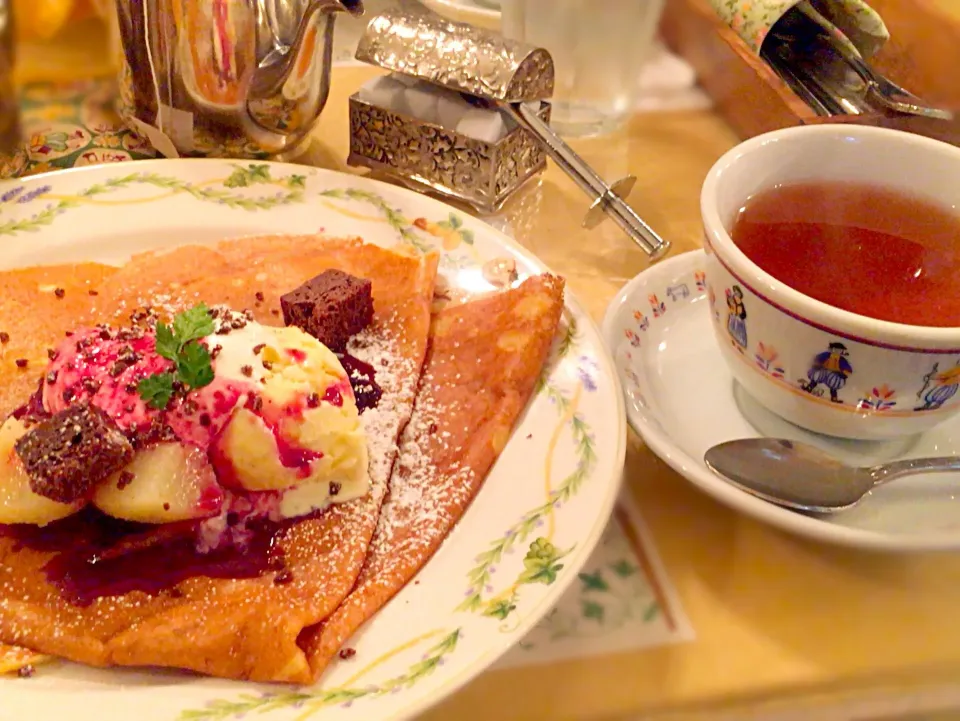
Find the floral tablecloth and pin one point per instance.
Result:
(69, 125)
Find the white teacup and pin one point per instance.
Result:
(822, 368)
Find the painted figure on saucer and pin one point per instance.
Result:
(831, 369)
(938, 387)
(737, 317)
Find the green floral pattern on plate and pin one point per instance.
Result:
(310, 701)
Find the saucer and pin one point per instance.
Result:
(682, 399)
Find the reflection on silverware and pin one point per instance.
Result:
(803, 478)
(828, 73)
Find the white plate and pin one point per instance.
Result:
(682, 399)
(425, 643)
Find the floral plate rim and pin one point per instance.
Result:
(645, 288)
(251, 187)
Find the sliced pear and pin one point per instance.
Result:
(18, 503)
(165, 483)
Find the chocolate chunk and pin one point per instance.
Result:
(72, 451)
(125, 479)
(331, 307)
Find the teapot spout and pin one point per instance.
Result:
(277, 21)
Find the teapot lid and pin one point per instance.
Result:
(418, 42)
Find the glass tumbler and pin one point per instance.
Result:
(598, 48)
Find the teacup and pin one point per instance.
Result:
(822, 368)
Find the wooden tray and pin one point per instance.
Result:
(921, 55)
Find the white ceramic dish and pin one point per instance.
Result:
(557, 479)
(682, 399)
(836, 372)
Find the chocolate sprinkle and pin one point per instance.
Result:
(247, 370)
(283, 578)
(4, 337)
(92, 292)
(335, 488)
(59, 292)
(346, 653)
(91, 385)
(125, 479)
(26, 671)
(52, 354)
(22, 362)
(268, 365)
(259, 295)
(259, 347)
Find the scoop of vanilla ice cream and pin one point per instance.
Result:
(299, 431)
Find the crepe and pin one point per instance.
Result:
(36, 306)
(15, 658)
(482, 366)
(235, 628)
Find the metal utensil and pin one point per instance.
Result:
(608, 199)
(828, 73)
(803, 478)
(883, 91)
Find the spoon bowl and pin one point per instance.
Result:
(801, 477)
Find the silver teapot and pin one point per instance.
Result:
(236, 78)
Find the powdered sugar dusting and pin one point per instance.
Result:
(430, 485)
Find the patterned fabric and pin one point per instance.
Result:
(65, 126)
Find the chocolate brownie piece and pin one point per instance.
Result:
(331, 307)
(69, 453)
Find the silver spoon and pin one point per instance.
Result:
(804, 478)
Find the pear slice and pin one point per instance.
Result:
(164, 483)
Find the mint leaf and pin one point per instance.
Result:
(194, 366)
(167, 345)
(156, 390)
(192, 324)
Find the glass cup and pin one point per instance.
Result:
(598, 49)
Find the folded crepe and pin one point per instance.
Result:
(246, 628)
(482, 366)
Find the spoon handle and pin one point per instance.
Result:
(886, 472)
